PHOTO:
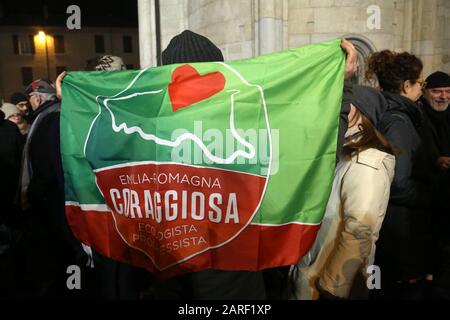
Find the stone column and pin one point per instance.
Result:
(426, 37)
(147, 33)
(174, 19)
(442, 59)
(408, 25)
(269, 29)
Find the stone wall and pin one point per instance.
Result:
(247, 28)
(312, 21)
(227, 23)
(440, 38)
(173, 19)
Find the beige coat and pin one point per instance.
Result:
(346, 240)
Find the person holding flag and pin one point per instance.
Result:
(207, 216)
(345, 244)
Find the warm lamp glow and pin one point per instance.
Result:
(41, 36)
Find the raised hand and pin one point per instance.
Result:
(351, 65)
(58, 84)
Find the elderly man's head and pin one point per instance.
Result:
(437, 91)
(40, 91)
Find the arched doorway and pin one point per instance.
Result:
(365, 48)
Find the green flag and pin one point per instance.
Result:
(203, 165)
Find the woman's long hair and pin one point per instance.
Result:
(368, 137)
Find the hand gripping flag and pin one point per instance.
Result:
(203, 165)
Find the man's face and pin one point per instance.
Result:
(438, 98)
(23, 106)
(35, 101)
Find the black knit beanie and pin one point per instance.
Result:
(438, 80)
(189, 46)
(18, 97)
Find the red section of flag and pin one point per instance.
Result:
(189, 87)
(172, 212)
(256, 248)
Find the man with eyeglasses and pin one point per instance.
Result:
(21, 101)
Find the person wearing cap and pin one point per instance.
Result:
(189, 46)
(45, 109)
(434, 104)
(42, 96)
(21, 102)
(46, 235)
(106, 278)
(208, 284)
(345, 244)
(219, 284)
(13, 114)
(100, 63)
(109, 279)
(106, 63)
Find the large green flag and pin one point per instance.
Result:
(203, 165)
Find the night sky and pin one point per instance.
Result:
(52, 13)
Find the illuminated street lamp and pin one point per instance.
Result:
(43, 38)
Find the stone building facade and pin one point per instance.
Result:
(247, 28)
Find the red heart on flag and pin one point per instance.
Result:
(189, 87)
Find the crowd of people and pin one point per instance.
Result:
(389, 205)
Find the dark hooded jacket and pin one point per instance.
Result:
(49, 242)
(405, 239)
(440, 127)
(11, 144)
(405, 126)
(43, 154)
(440, 132)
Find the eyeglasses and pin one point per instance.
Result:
(422, 83)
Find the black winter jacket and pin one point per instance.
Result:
(48, 233)
(405, 127)
(11, 144)
(404, 247)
